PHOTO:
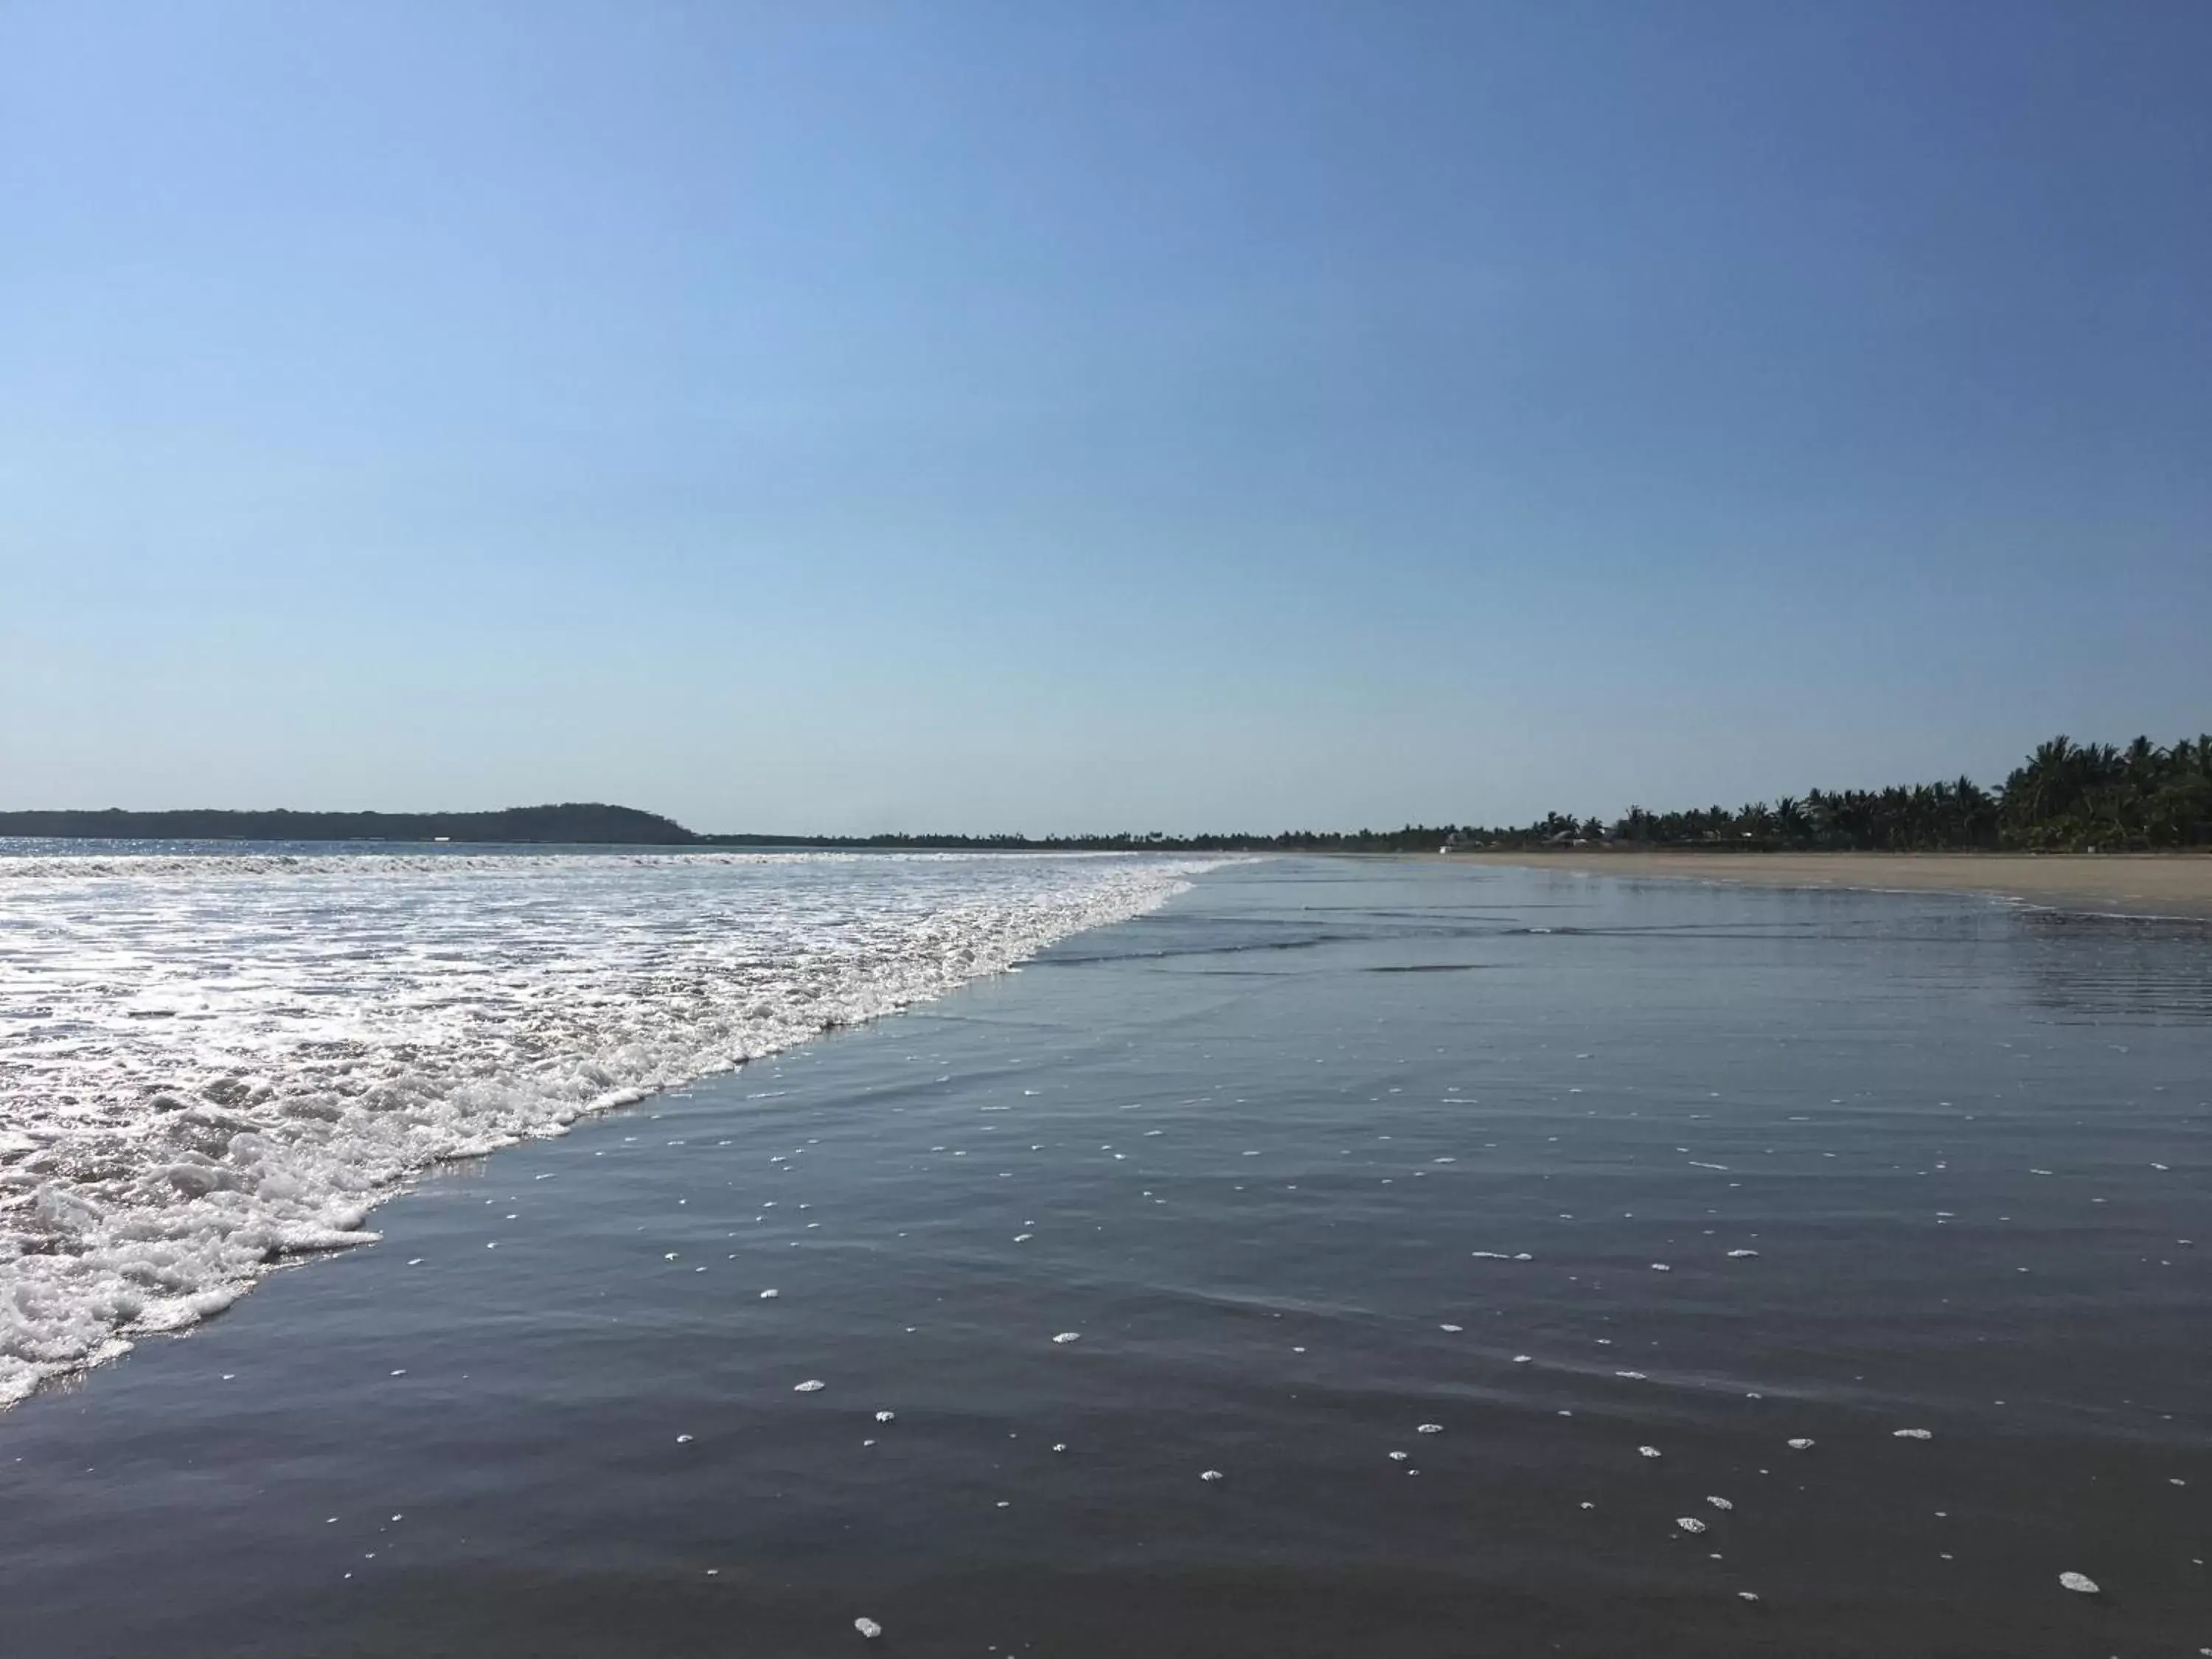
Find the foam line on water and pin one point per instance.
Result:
(210, 1065)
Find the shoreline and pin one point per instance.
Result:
(942, 1324)
(2170, 885)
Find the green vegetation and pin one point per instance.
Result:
(577, 823)
(2068, 796)
(2065, 796)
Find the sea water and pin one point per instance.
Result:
(214, 1061)
(1341, 1257)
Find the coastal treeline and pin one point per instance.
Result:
(2064, 797)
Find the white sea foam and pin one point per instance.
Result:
(211, 1064)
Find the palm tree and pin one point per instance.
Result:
(2062, 795)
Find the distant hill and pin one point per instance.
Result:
(576, 822)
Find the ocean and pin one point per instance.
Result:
(212, 1062)
(1296, 1257)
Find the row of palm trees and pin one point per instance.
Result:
(2069, 795)
(1920, 817)
(2064, 797)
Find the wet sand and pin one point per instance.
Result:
(2123, 884)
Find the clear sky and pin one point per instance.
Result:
(861, 414)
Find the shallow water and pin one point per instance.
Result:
(1316, 1155)
(212, 1060)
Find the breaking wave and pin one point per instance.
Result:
(211, 1064)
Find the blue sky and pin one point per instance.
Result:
(842, 417)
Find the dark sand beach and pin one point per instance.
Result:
(2122, 884)
(1545, 1263)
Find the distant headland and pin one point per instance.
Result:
(575, 824)
(2064, 797)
